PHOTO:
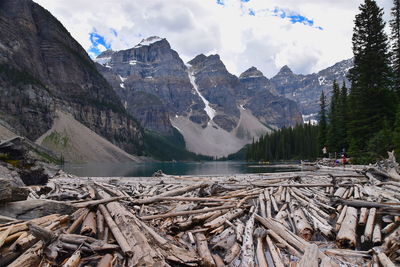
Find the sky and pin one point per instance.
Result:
(306, 35)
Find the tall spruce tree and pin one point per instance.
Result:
(333, 137)
(322, 125)
(370, 97)
(396, 133)
(395, 36)
(343, 118)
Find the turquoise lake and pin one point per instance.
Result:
(172, 168)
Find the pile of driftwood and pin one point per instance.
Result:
(337, 217)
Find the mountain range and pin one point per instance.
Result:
(139, 100)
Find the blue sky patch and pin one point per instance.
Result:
(252, 12)
(97, 40)
(294, 17)
(220, 2)
(245, 1)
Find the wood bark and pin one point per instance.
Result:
(369, 227)
(182, 213)
(346, 237)
(125, 247)
(89, 226)
(274, 253)
(304, 228)
(204, 252)
(310, 257)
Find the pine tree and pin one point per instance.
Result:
(334, 120)
(370, 98)
(396, 133)
(395, 36)
(343, 118)
(322, 126)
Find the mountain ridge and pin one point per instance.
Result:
(196, 95)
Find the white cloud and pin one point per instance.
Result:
(202, 26)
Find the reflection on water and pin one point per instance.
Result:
(171, 168)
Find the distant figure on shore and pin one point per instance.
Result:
(344, 159)
(324, 152)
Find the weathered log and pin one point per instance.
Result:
(247, 255)
(182, 213)
(346, 237)
(283, 244)
(218, 260)
(377, 235)
(42, 233)
(369, 227)
(310, 257)
(293, 185)
(233, 253)
(304, 228)
(74, 260)
(340, 218)
(383, 259)
(89, 226)
(13, 237)
(106, 261)
(143, 253)
(116, 231)
(170, 251)
(194, 199)
(31, 257)
(100, 224)
(363, 216)
(72, 228)
(171, 193)
(221, 220)
(5, 219)
(260, 234)
(274, 253)
(4, 235)
(262, 205)
(93, 203)
(204, 252)
(279, 229)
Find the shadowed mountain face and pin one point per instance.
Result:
(194, 97)
(43, 68)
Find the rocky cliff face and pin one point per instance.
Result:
(154, 68)
(306, 89)
(257, 95)
(43, 68)
(218, 87)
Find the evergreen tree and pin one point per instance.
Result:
(322, 133)
(396, 133)
(290, 143)
(370, 98)
(395, 26)
(343, 118)
(334, 120)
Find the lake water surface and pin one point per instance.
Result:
(171, 168)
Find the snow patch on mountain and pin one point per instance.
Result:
(149, 41)
(208, 109)
(310, 118)
(103, 60)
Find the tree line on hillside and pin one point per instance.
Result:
(289, 143)
(364, 119)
